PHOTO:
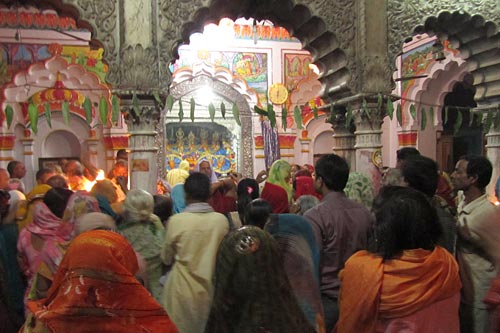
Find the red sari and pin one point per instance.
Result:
(276, 196)
(95, 290)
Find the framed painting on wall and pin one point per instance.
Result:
(50, 162)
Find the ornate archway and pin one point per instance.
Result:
(230, 88)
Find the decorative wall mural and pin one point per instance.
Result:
(296, 69)
(252, 67)
(196, 141)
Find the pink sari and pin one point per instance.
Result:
(49, 228)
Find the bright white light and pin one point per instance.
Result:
(205, 95)
(314, 68)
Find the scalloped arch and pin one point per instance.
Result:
(311, 30)
(478, 41)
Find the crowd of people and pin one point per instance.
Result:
(297, 249)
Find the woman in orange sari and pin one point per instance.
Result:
(95, 290)
(407, 283)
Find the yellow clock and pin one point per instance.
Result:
(278, 93)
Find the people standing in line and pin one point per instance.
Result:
(41, 242)
(222, 191)
(145, 232)
(11, 280)
(95, 290)
(277, 188)
(191, 242)
(341, 227)
(421, 173)
(17, 171)
(118, 175)
(4, 179)
(406, 282)
(478, 241)
(176, 178)
(247, 190)
(444, 189)
(300, 254)
(74, 172)
(252, 292)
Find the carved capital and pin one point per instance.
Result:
(139, 68)
(103, 16)
(140, 111)
(377, 74)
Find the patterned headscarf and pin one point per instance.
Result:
(279, 174)
(359, 188)
(95, 290)
(80, 203)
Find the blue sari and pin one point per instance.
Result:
(300, 254)
(178, 198)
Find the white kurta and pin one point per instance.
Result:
(191, 244)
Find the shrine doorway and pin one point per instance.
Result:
(220, 138)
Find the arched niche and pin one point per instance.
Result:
(473, 35)
(230, 89)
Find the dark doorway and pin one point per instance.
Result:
(468, 139)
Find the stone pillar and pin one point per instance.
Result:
(368, 121)
(142, 116)
(493, 154)
(92, 152)
(343, 138)
(29, 162)
(492, 142)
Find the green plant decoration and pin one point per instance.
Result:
(348, 115)
(488, 121)
(315, 112)
(181, 112)
(65, 112)
(423, 119)
(135, 105)
(223, 110)
(446, 110)
(471, 118)
(399, 115)
(87, 107)
(458, 122)
(497, 120)
(271, 115)
(191, 109)
(48, 115)
(170, 102)
(431, 114)
(236, 114)
(211, 111)
(380, 101)
(115, 109)
(157, 98)
(390, 107)
(103, 110)
(297, 115)
(284, 114)
(413, 111)
(9, 115)
(33, 117)
(260, 111)
(479, 118)
(366, 110)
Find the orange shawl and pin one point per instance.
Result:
(95, 290)
(373, 289)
